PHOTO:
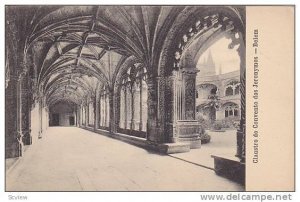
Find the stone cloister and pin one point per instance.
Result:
(125, 71)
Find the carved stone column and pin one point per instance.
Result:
(152, 134)
(136, 106)
(104, 114)
(96, 111)
(40, 116)
(112, 123)
(86, 113)
(189, 94)
(128, 107)
(117, 110)
(13, 140)
(125, 107)
(182, 124)
(80, 115)
(141, 105)
(171, 111)
(100, 110)
(133, 108)
(26, 110)
(161, 104)
(78, 118)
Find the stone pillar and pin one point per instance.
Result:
(108, 109)
(40, 117)
(180, 116)
(86, 115)
(80, 115)
(102, 106)
(111, 118)
(13, 138)
(125, 106)
(121, 114)
(90, 109)
(141, 105)
(78, 121)
(117, 109)
(26, 110)
(105, 109)
(128, 106)
(189, 101)
(46, 116)
(100, 110)
(133, 107)
(152, 135)
(96, 111)
(160, 127)
(172, 108)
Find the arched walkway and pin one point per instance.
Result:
(124, 71)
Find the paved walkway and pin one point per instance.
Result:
(222, 143)
(73, 159)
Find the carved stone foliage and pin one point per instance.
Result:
(190, 99)
(161, 102)
(169, 99)
(200, 26)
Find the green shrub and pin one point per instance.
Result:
(205, 138)
(230, 122)
(217, 126)
(206, 124)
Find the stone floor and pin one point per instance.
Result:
(73, 159)
(222, 143)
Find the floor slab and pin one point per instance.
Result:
(73, 159)
(222, 143)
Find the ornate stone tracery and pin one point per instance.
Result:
(133, 101)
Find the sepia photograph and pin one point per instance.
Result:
(124, 98)
(149, 98)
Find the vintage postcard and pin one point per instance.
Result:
(149, 98)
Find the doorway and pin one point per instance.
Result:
(55, 119)
(71, 120)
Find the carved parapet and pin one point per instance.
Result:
(188, 131)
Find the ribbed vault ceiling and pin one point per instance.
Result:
(78, 49)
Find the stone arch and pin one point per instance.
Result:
(129, 86)
(187, 27)
(229, 91)
(231, 87)
(194, 27)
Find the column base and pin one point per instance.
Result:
(188, 132)
(171, 148)
(230, 167)
(194, 142)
